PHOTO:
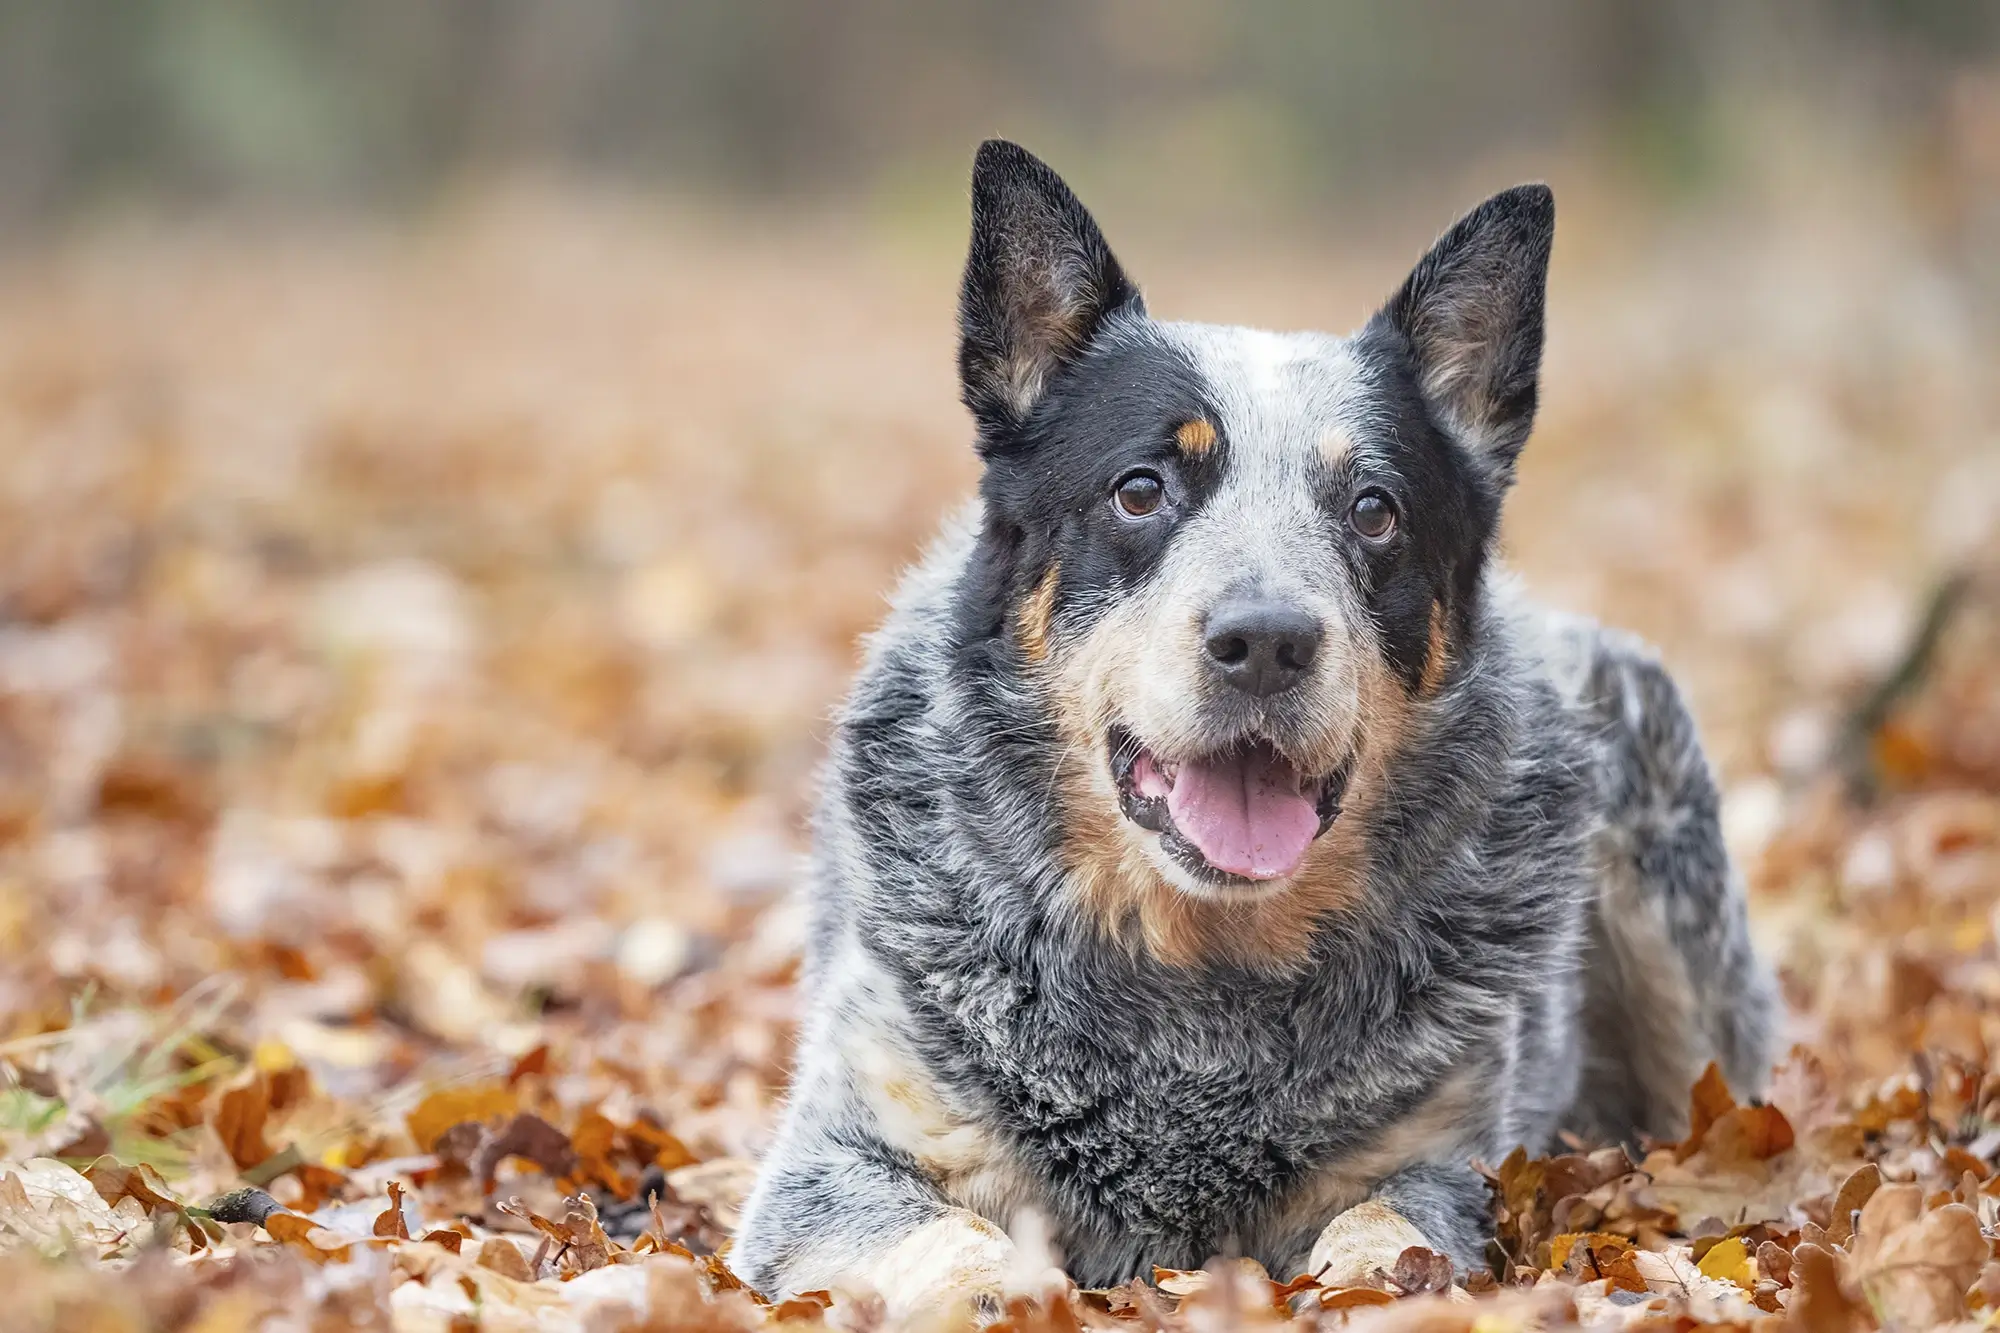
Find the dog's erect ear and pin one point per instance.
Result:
(1039, 283)
(1471, 314)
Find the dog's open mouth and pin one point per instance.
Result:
(1245, 814)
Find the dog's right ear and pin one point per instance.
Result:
(1039, 284)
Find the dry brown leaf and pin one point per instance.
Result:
(1420, 1270)
(808, 1307)
(581, 1244)
(114, 1181)
(1854, 1193)
(449, 1107)
(504, 1257)
(307, 1237)
(444, 1236)
(535, 1062)
(240, 1117)
(1351, 1298)
(593, 1140)
(528, 1137)
(390, 1221)
(1709, 1101)
(1820, 1302)
(652, 1144)
(1916, 1265)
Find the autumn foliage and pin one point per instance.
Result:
(414, 647)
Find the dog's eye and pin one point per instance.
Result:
(1372, 515)
(1139, 493)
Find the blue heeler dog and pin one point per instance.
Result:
(1218, 854)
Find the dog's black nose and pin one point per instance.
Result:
(1261, 647)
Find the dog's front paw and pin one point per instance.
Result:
(1369, 1236)
(955, 1261)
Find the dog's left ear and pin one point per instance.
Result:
(1471, 316)
(1039, 284)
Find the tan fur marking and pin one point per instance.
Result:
(1032, 620)
(1195, 437)
(911, 1114)
(1334, 445)
(1438, 658)
(1366, 1237)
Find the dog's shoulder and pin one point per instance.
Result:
(1614, 686)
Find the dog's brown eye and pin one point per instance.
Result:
(1373, 516)
(1140, 493)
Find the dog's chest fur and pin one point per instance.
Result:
(1181, 1109)
(1155, 1110)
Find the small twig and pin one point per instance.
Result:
(1852, 754)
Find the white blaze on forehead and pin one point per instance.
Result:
(1280, 397)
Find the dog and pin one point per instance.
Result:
(1218, 853)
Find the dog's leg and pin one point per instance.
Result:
(1671, 980)
(838, 1208)
(1438, 1206)
(828, 1215)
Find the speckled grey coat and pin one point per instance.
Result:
(1524, 918)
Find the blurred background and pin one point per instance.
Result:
(1214, 114)
(448, 454)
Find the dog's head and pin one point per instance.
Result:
(1236, 560)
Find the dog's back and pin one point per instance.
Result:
(1671, 981)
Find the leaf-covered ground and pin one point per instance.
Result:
(415, 644)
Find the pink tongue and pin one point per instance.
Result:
(1245, 813)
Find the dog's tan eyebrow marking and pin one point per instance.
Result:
(1335, 445)
(1195, 437)
(1438, 657)
(1034, 613)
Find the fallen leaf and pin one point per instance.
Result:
(52, 1207)
(114, 1181)
(719, 1185)
(1854, 1193)
(447, 1107)
(593, 1140)
(1420, 1270)
(1349, 1298)
(306, 1237)
(525, 1136)
(391, 1222)
(503, 1256)
(1820, 1302)
(240, 1116)
(1729, 1261)
(1915, 1265)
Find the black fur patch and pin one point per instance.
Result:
(1039, 283)
(1049, 481)
(1448, 512)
